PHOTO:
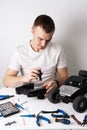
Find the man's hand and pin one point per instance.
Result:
(12, 80)
(32, 75)
(49, 85)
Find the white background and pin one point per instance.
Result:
(70, 17)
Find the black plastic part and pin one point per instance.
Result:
(76, 81)
(83, 73)
(39, 92)
(40, 75)
(80, 104)
(66, 99)
(24, 89)
(81, 92)
(53, 95)
(41, 96)
(31, 92)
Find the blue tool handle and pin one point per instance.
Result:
(85, 118)
(37, 121)
(44, 118)
(61, 111)
(29, 115)
(64, 121)
(3, 97)
(55, 115)
(60, 116)
(19, 106)
(0, 115)
(67, 122)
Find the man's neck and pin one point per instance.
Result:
(33, 47)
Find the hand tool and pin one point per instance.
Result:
(63, 114)
(64, 121)
(28, 115)
(39, 117)
(2, 97)
(10, 123)
(84, 120)
(19, 106)
(74, 117)
(0, 115)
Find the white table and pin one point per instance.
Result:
(34, 106)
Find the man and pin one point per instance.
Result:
(38, 54)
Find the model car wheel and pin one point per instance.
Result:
(80, 104)
(53, 95)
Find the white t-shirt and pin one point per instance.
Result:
(51, 58)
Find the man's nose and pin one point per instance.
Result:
(43, 43)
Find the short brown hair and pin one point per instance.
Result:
(46, 22)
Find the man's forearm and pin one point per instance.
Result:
(13, 81)
(63, 75)
(62, 79)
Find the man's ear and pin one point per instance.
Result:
(32, 30)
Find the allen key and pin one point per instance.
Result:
(74, 117)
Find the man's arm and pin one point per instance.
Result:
(62, 75)
(12, 79)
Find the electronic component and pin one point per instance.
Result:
(40, 75)
(7, 109)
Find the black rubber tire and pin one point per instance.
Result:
(53, 95)
(80, 104)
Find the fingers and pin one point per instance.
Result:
(50, 85)
(33, 74)
(48, 90)
(34, 71)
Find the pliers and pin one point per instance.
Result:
(40, 117)
(63, 114)
(84, 121)
(64, 121)
(37, 118)
(2, 97)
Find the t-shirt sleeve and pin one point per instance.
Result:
(14, 63)
(61, 59)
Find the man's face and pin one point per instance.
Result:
(40, 38)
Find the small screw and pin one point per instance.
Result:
(10, 123)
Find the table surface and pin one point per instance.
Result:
(34, 106)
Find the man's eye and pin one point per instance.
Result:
(47, 40)
(40, 39)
